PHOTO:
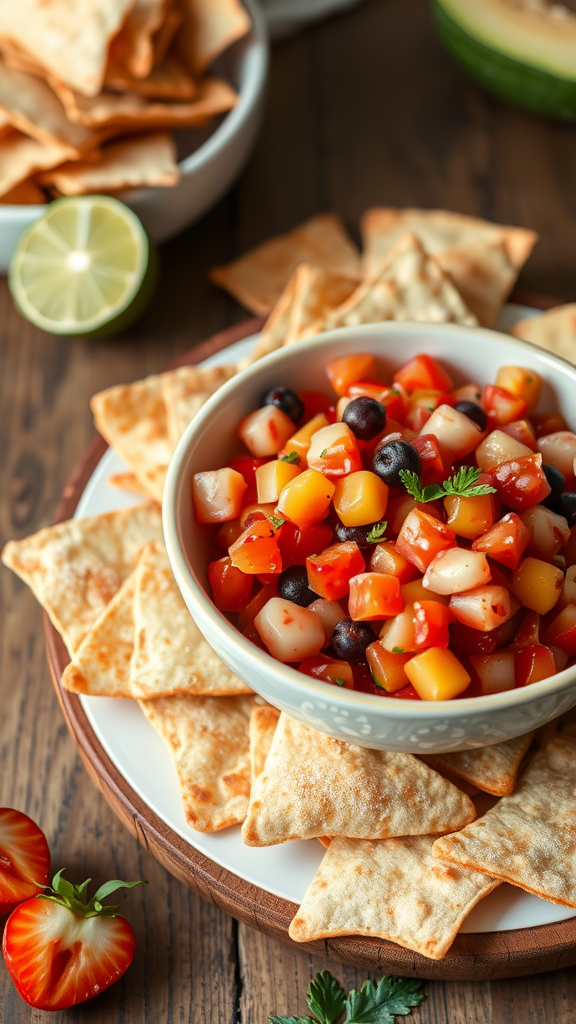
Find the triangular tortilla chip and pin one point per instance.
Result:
(133, 47)
(483, 259)
(492, 769)
(68, 38)
(35, 110)
(529, 838)
(410, 285)
(132, 419)
(311, 293)
(185, 391)
(170, 653)
(389, 889)
(168, 81)
(20, 157)
(131, 111)
(101, 664)
(314, 785)
(132, 163)
(210, 27)
(555, 331)
(258, 278)
(27, 193)
(166, 33)
(128, 482)
(75, 568)
(208, 738)
(263, 722)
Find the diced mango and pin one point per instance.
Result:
(305, 499)
(360, 498)
(346, 371)
(272, 477)
(436, 674)
(521, 382)
(416, 591)
(470, 517)
(300, 441)
(387, 669)
(385, 558)
(537, 584)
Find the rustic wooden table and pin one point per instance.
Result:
(363, 109)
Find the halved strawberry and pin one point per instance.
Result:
(24, 859)
(61, 950)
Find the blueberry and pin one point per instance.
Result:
(293, 586)
(366, 418)
(356, 533)
(556, 480)
(473, 412)
(390, 458)
(350, 639)
(287, 401)
(565, 505)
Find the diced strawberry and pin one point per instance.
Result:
(339, 673)
(298, 543)
(467, 640)
(374, 596)
(348, 370)
(231, 588)
(506, 541)
(521, 483)
(548, 423)
(256, 550)
(24, 859)
(247, 465)
(431, 624)
(425, 373)
(522, 431)
(314, 402)
(501, 406)
(533, 662)
(330, 572)
(562, 630)
(436, 460)
(422, 537)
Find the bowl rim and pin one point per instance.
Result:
(288, 677)
(254, 61)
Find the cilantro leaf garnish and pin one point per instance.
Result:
(414, 487)
(291, 457)
(377, 532)
(398, 650)
(374, 1004)
(326, 998)
(381, 1003)
(275, 522)
(340, 682)
(323, 453)
(462, 483)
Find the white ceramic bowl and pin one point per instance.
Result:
(371, 720)
(210, 158)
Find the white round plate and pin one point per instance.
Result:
(284, 870)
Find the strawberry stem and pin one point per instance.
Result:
(71, 896)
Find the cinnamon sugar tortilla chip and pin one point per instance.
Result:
(170, 653)
(313, 785)
(20, 157)
(128, 482)
(208, 738)
(263, 722)
(185, 391)
(68, 38)
(409, 285)
(258, 278)
(492, 769)
(529, 838)
(167, 81)
(389, 889)
(134, 112)
(132, 163)
(210, 27)
(101, 664)
(133, 47)
(555, 331)
(34, 109)
(483, 259)
(310, 294)
(132, 419)
(75, 568)
(27, 193)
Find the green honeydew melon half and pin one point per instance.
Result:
(525, 57)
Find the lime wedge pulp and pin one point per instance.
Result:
(85, 267)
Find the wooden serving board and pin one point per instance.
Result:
(472, 957)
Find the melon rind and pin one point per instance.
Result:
(517, 81)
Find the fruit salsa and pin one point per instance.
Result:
(410, 539)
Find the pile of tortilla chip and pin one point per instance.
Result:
(407, 856)
(90, 92)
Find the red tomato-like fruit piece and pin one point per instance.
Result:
(506, 541)
(436, 460)
(24, 859)
(256, 550)
(231, 588)
(521, 483)
(423, 373)
(348, 370)
(62, 951)
(374, 596)
(330, 572)
(532, 663)
(422, 537)
(330, 670)
(298, 543)
(501, 406)
(431, 624)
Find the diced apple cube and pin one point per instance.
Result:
(398, 634)
(459, 434)
(265, 431)
(484, 608)
(499, 447)
(548, 531)
(217, 495)
(329, 613)
(291, 633)
(495, 671)
(333, 450)
(559, 450)
(455, 570)
(422, 537)
(272, 477)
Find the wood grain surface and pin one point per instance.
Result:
(363, 109)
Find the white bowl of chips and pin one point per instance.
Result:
(106, 149)
(422, 727)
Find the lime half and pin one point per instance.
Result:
(85, 267)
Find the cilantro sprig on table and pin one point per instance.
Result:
(374, 1004)
(463, 483)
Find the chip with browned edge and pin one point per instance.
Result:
(263, 722)
(389, 889)
(314, 785)
(131, 163)
(100, 666)
(555, 331)
(492, 769)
